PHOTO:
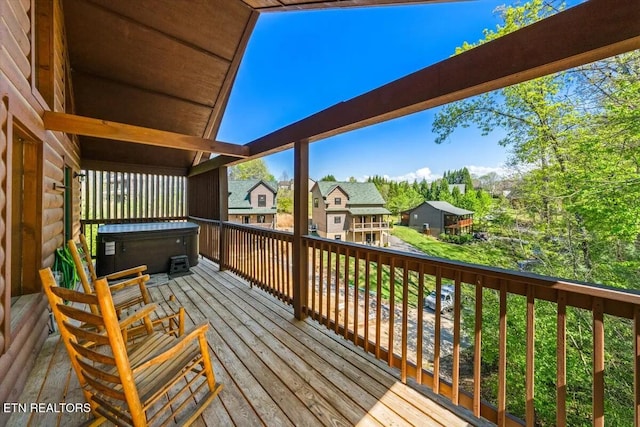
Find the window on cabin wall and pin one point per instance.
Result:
(337, 201)
(26, 213)
(43, 50)
(262, 200)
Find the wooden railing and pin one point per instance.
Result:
(376, 298)
(259, 255)
(369, 225)
(209, 237)
(465, 222)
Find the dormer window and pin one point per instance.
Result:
(262, 201)
(337, 201)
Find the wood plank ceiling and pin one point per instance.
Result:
(161, 64)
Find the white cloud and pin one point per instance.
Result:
(419, 175)
(428, 175)
(483, 170)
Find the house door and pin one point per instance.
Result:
(26, 219)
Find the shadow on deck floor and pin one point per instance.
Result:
(276, 371)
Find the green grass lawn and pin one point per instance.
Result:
(494, 254)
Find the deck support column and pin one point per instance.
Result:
(223, 215)
(300, 227)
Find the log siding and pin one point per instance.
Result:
(26, 91)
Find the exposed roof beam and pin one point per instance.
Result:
(585, 33)
(86, 126)
(100, 165)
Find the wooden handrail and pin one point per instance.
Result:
(359, 291)
(369, 225)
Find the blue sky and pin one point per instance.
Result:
(298, 63)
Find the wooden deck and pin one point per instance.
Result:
(276, 371)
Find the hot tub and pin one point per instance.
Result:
(122, 246)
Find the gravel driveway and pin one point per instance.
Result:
(401, 245)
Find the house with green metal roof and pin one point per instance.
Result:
(351, 211)
(253, 202)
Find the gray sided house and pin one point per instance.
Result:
(438, 217)
(351, 211)
(253, 202)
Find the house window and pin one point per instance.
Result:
(415, 216)
(337, 219)
(338, 237)
(261, 219)
(337, 201)
(315, 202)
(373, 218)
(245, 219)
(262, 200)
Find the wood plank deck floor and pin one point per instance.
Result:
(276, 371)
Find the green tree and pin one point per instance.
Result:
(285, 201)
(251, 169)
(443, 191)
(456, 196)
(329, 177)
(576, 138)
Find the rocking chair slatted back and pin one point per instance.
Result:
(159, 380)
(126, 294)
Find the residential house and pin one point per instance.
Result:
(253, 202)
(352, 211)
(436, 217)
(288, 185)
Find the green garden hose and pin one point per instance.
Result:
(64, 265)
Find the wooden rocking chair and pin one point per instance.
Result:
(159, 380)
(130, 293)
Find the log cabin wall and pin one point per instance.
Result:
(34, 77)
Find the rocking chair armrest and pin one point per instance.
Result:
(129, 282)
(128, 272)
(198, 332)
(143, 312)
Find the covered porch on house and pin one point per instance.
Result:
(276, 370)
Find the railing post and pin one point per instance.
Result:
(300, 227)
(223, 215)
